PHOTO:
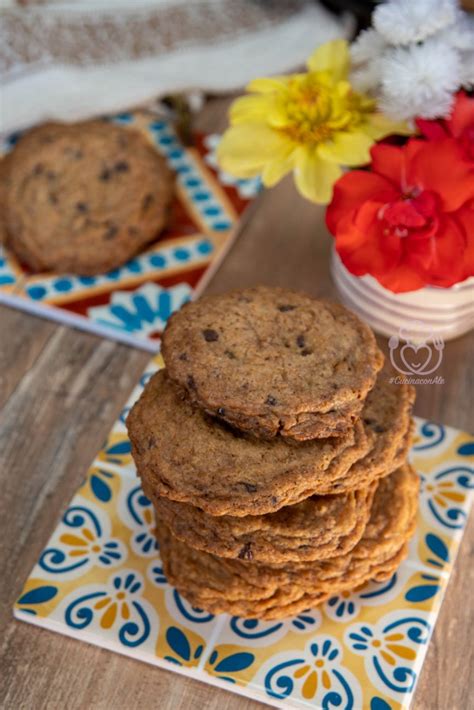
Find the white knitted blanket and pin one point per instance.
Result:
(72, 60)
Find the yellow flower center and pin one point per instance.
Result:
(319, 663)
(312, 108)
(121, 595)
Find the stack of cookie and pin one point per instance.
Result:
(274, 453)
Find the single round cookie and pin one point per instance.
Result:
(273, 361)
(272, 592)
(315, 529)
(84, 198)
(184, 454)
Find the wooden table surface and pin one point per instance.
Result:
(60, 392)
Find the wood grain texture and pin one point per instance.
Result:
(60, 392)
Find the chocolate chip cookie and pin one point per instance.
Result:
(273, 592)
(321, 526)
(186, 455)
(315, 529)
(84, 198)
(273, 361)
(183, 454)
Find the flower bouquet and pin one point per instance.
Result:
(396, 106)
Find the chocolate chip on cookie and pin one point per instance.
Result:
(315, 529)
(210, 464)
(299, 367)
(243, 588)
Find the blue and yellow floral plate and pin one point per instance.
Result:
(100, 580)
(132, 303)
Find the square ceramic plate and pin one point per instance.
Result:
(131, 304)
(99, 579)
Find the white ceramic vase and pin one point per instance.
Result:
(445, 312)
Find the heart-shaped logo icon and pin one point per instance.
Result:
(416, 358)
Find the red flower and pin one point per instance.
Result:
(408, 222)
(460, 125)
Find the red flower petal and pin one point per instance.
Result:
(465, 219)
(404, 213)
(462, 115)
(432, 130)
(388, 160)
(354, 188)
(402, 279)
(439, 258)
(362, 244)
(417, 216)
(443, 172)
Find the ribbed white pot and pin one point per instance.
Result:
(447, 312)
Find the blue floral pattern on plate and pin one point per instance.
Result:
(445, 493)
(36, 596)
(116, 607)
(347, 606)
(430, 581)
(144, 310)
(81, 541)
(7, 273)
(390, 648)
(138, 515)
(317, 675)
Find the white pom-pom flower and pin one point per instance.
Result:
(368, 45)
(419, 80)
(461, 34)
(406, 21)
(417, 55)
(367, 79)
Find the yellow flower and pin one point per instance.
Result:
(309, 123)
